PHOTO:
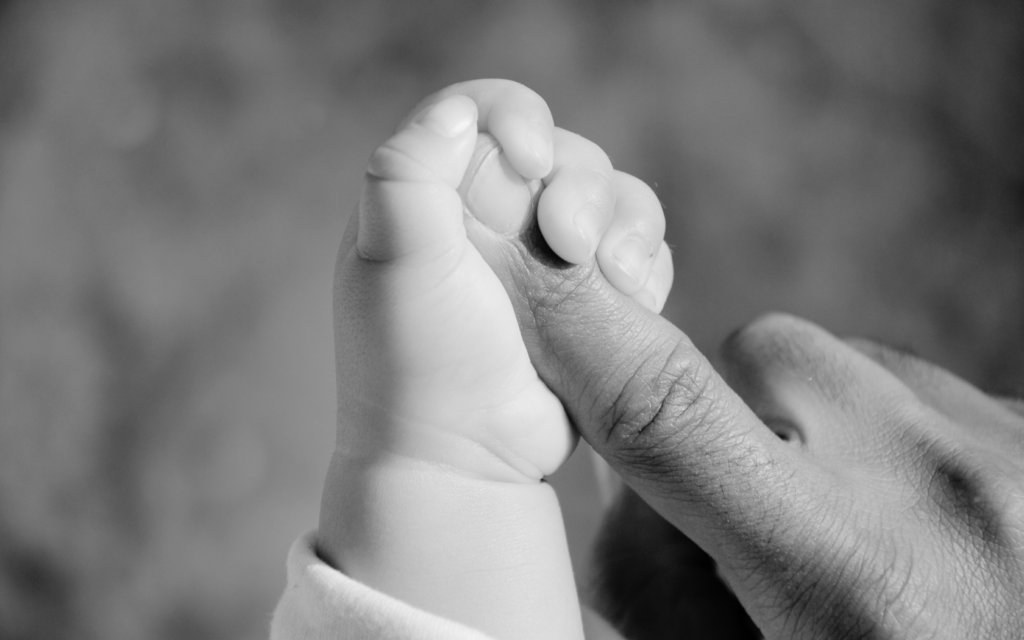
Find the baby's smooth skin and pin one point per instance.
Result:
(435, 492)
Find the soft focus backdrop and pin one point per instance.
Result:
(175, 176)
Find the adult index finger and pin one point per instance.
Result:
(651, 404)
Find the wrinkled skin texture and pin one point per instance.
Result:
(892, 507)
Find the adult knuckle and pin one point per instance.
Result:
(774, 339)
(662, 402)
(976, 495)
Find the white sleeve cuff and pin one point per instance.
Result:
(320, 602)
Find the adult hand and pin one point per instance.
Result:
(894, 507)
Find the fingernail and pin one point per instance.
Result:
(588, 223)
(646, 300)
(633, 258)
(450, 117)
(492, 190)
(539, 145)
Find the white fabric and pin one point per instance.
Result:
(322, 603)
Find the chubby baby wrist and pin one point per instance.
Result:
(375, 507)
(520, 441)
(432, 459)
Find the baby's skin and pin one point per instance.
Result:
(435, 493)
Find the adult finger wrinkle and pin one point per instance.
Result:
(658, 394)
(653, 410)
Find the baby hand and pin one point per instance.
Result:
(431, 363)
(445, 429)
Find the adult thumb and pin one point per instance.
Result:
(647, 400)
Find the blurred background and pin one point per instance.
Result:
(175, 176)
